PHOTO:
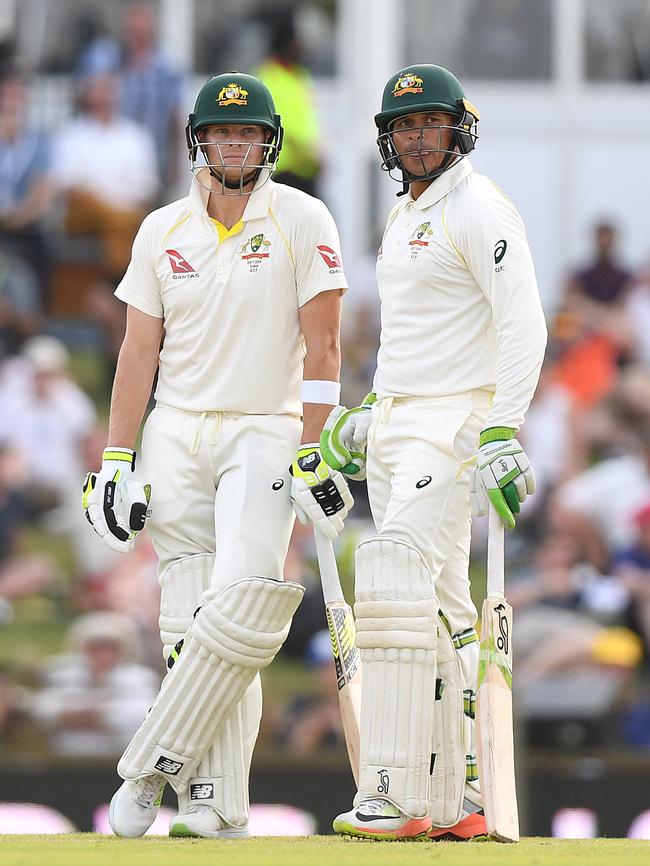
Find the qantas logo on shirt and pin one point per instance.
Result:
(330, 257)
(181, 268)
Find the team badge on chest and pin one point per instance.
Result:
(254, 251)
(420, 238)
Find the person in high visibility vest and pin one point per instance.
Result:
(290, 83)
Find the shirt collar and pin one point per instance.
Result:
(442, 185)
(257, 205)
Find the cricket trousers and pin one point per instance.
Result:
(421, 452)
(220, 512)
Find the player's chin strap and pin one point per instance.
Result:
(408, 178)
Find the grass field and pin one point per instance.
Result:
(86, 848)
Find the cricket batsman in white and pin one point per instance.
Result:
(462, 342)
(234, 296)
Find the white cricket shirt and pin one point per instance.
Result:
(230, 299)
(460, 307)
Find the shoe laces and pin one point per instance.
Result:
(379, 807)
(149, 788)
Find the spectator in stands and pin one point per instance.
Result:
(312, 723)
(46, 417)
(25, 186)
(152, 89)
(567, 614)
(93, 698)
(21, 574)
(20, 303)
(598, 506)
(150, 85)
(604, 281)
(637, 309)
(632, 566)
(106, 166)
(291, 85)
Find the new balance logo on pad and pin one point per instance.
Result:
(201, 791)
(166, 765)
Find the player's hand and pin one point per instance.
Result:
(344, 438)
(116, 505)
(504, 471)
(319, 495)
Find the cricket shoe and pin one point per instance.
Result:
(135, 805)
(379, 819)
(471, 826)
(204, 820)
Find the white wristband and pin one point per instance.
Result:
(320, 391)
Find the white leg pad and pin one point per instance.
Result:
(396, 618)
(448, 746)
(221, 779)
(182, 586)
(232, 637)
(467, 648)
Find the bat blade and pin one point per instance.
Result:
(347, 663)
(494, 724)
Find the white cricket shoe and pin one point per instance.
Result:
(135, 805)
(379, 819)
(204, 820)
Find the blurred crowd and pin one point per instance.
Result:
(71, 199)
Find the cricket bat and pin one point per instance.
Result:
(494, 729)
(347, 660)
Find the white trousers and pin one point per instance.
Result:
(420, 455)
(220, 485)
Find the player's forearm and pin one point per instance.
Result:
(321, 363)
(131, 391)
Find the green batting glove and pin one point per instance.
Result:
(505, 472)
(344, 437)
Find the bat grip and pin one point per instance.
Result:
(495, 556)
(329, 573)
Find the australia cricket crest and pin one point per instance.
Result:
(254, 251)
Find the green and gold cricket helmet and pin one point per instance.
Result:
(426, 87)
(235, 98)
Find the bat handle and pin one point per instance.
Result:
(329, 573)
(495, 556)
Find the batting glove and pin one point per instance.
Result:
(116, 506)
(505, 472)
(319, 495)
(343, 440)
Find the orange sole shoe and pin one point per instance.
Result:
(414, 830)
(471, 827)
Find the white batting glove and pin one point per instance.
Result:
(319, 495)
(343, 440)
(505, 472)
(116, 506)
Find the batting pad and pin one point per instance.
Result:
(221, 779)
(448, 745)
(467, 649)
(232, 637)
(181, 589)
(396, 617)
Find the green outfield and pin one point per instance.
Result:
(91, 850)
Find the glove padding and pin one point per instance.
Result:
(115, 505)
(319, 496)
(344, 438)
(505, 474)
